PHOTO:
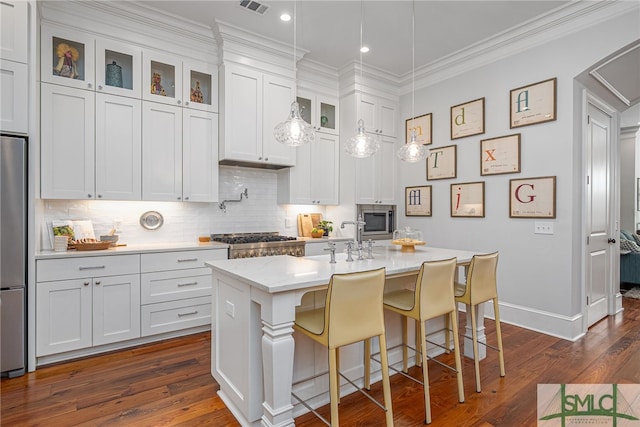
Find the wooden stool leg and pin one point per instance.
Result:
(334, 386)
(456, 353)
(474, 334)
(386, 385)
(367, 364)
(425, 373)
(496, 311)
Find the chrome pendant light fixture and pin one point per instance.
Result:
(294, 131)
(361, 144)
(413, 152)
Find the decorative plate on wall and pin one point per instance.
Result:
(151, 220)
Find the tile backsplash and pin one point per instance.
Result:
(184, 221)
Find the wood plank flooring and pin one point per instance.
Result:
(169, 383)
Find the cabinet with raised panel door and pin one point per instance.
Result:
(253, 104)
(85, 302)
(376, 176)
(379, 114)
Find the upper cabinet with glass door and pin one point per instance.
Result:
(162, 78)
(320, 111)
(67, 58)
(118, 68)
(200, 86)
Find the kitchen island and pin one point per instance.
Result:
(253, 346)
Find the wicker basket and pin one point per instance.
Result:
(92, 246)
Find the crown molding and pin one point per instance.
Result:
(139, 23)
(560, 22)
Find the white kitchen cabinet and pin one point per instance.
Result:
(170, 80)
(161, 152)
(315, 178)
(91, 145)
(118, 148)
(14, 113)
(84, 302)
(176, 290)
(199, 156)
(320, 111)
(379, 114)
(118, 68)
(376, 176)
(254, 103)
(67, 57)
(14, 30)
(179, 154)
(67, 147)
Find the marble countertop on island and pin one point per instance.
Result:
(285, 273)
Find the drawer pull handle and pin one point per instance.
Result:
(188, 260)
(191, 313)
(97, 267)
(187, 284)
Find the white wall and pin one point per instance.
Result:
(539, 275)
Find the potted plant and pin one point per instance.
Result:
(322, 229)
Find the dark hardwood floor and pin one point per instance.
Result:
(169, 383)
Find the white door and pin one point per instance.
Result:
(118, 148)
(161, 152)
(599, 215)
(14, 112)
(277, 98)
(67, 146)
(116, 308)
(386, 175)
(324, 169)
(199, 156)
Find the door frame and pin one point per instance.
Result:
(614, 295)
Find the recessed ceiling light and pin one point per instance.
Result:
(364, 49)
(285, 17)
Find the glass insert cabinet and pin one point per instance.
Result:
(319, 111)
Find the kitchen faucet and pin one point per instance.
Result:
(359, 226)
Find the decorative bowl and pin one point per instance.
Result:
(112, 239)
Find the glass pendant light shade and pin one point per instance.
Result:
(294, 131)
(361, 145)
(412, 152)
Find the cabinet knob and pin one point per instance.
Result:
(99, 87)
(89, 196)
(266, 159)
(179, 102)
(86, 283)
(89, 85)
(259, 158)
(186, 198)
(185, 103)
(98, 283)
(99, 196)
(179, 198)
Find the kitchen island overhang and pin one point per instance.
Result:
(252, 345)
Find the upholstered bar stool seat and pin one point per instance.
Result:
(432, 297)
(339, 324)
(480, 287)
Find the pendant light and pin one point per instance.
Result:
(361, 144)
(294, 131)
(413, 152)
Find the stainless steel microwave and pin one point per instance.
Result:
(379, 221)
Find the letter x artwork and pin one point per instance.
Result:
(532, 197)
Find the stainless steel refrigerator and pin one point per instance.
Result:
(13, 254)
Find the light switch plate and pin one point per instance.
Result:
(230, 309)
(543, 228)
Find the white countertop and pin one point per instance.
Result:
(325, 239)
(134, 249)
(284, 273)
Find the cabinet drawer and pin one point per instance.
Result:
(175, 315)
(180, 260)
(165, 286)
(75, 268)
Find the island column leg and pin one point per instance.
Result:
(277, 314)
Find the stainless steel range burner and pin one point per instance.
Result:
(249, 245)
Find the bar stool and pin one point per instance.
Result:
(433, 296)
(481, 287)
(353, 312)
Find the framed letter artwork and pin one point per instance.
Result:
(467, 199)
(422, 125)
(532, 197)
(417, 201)
(441, 163)
(532, 104)
(500, 155)
(467, 119)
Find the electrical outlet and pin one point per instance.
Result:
(117, 224)
(543, 228)
(230, 309)
(288, 222)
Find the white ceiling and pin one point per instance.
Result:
(330, 30)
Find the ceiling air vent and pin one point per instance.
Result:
(254, 6)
